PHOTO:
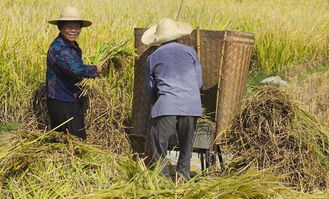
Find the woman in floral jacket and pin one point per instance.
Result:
(65, 69)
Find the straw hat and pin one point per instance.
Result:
(166, 30)
(71, 14)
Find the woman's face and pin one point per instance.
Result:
(71, 30)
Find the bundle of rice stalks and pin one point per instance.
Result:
(36, 164)
(106, 118)
(271, 132)
(112, 55)
(250, 185)
(110, 98)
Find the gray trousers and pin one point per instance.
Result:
(165, 126)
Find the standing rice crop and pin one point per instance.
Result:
(287, 31)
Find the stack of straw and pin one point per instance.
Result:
(271, 132)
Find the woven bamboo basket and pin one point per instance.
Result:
(225, 58)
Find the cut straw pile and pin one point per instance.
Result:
(271, 132)
(37, 164)
(53, 165)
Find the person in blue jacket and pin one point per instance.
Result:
(65, 69)
(174, 80)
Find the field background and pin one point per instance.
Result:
(291, 41)
(289, 34)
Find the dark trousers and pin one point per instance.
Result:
(60, 112)
(165, 126)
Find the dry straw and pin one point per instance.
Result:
(271, 132)
(108, 112)
(36, 164)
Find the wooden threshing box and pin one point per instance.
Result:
(225, 58)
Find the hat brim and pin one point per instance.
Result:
(85, 23)
(150, 38)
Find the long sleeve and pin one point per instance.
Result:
(73, 65)
(151, 89)
(198, 72)
(198, 68)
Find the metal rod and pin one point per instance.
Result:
(220, 157)
(202, 161)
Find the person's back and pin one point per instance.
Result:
(175, 70)
(174, 79)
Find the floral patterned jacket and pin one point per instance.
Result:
(65, 69)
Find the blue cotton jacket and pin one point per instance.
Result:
(174, 80)
(65, 69)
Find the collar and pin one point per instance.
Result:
(168, 42)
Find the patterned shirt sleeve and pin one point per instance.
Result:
(73, 65)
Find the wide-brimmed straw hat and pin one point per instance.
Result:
(166, 30)
(70, 14)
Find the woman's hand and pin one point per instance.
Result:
(99, 69)
(103, 67)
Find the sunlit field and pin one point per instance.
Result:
(291, 35)
(286, 32)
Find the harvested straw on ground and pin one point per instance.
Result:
(250, 185)
(36, 164)
(271, 132)
(104, 117)
(52, 165)
(39, 118)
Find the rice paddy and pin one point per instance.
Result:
(278, 150)
(287, 32)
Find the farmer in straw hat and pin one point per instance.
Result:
(65, 69)
(174, 80)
